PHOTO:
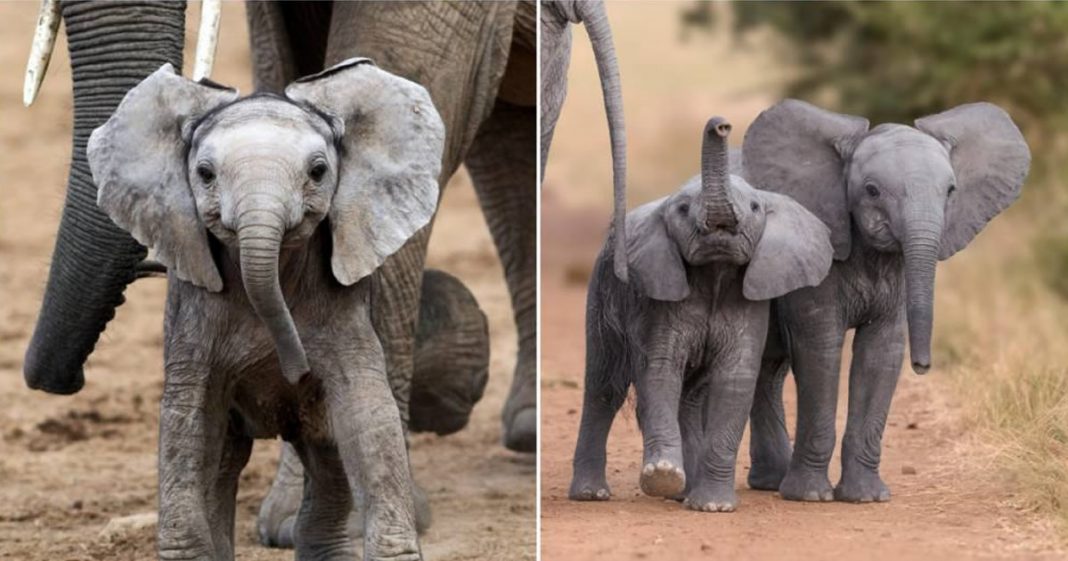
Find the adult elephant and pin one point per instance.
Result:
(476, 59)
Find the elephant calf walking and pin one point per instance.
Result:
(268, 325)
(897, 200)
(688, 329)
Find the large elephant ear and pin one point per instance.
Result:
(800, 150)
(990, 159)
(390, 162)
(138, 160)
(795, 250)
(653, 257)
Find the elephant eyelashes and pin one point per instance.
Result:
(317, 172)
(206, 174)
(872, 190)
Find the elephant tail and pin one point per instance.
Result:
(594, 18)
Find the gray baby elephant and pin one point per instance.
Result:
(689, 328)
(274, 210)
(898, 199)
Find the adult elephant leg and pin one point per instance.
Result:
(878, 350)
(503, 167)
(769, 441)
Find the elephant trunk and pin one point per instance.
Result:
(259, 235)
(716, 207)
(113, 46)
(594, 18)
(922, 239)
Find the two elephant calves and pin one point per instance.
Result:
(736, 279)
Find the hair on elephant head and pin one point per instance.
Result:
(180, 161)
(719, 218)
(922, 191)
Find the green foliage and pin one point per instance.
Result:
(896, 61)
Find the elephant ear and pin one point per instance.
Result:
(795, 250)
(390, 161)
(990, 159)
(800, 150)
(653, 257)
(138, 160)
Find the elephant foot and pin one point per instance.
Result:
(521, 435)
(861, 486)
(589, 487)
(806, 485)
(277, 522)
(712, 497)
(662, 478)
(767, 476)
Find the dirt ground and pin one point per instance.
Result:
(945, 505)
(70, 464)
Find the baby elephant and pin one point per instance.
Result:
(689, 328)
(267, 328)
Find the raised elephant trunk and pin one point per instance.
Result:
(716, 206)
(922, 238)
(259, 240)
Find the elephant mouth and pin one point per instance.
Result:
(719, 247)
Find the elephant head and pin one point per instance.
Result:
(924, 192)
(719, 218)
(180, 162)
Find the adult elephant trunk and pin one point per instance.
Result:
(259, 237)
(594, 18)
(923, 234)
(717, 211)
(113, 46)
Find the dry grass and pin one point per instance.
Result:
(1000, 336)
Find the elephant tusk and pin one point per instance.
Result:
(44, 40)
(207, 38)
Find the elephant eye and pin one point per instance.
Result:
(206, 174)
(952, 188)
(872, 190)
(317, 172)
(754, 206)
(684, 208)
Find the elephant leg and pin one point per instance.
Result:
(878, 350)
(278, 512)
(191, 419)
(692, 428)
(366, 425)
(659, 391)
(816, 357)
(503, 167)
(236, 449)
(732, 381)
(769, 441)
(321, 530)
(599, 407)
(451, 356)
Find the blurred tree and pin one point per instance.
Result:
(894, 61)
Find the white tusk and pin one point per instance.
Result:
(207, 38)
(44, 40)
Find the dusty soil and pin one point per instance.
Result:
(944, 505)
(70, 464)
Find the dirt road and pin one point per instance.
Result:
(69, 464)
(942, 508)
